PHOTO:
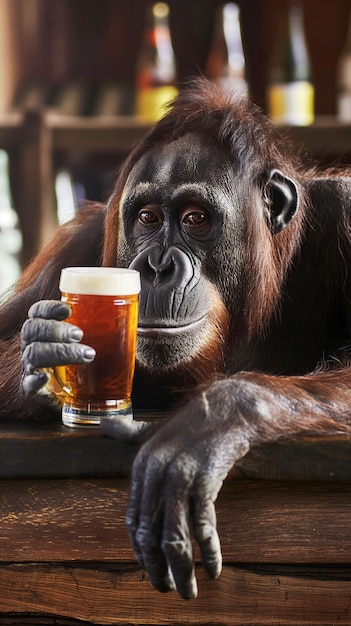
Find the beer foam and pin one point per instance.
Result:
(100, 281)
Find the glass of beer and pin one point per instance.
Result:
(104, 303)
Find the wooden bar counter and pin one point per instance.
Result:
(284, 520)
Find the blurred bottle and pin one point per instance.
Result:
(71, 98)
(343, 80)
(290, 96)
(156, 65)
(10, 234)
(113, 98)
(226, 60)
(65, 196)
(31, 96)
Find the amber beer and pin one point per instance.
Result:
(104, 304)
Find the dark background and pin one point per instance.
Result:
(92, 41)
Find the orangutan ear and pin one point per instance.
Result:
(282, 200)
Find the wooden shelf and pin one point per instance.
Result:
(34, 137)
(11, 128)
(116, 133)
(94, 134)
(326, 138)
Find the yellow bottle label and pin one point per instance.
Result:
(151, 101)
(292, 103)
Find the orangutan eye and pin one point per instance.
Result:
(149, 216)
(196, 220)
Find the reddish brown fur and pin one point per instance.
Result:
(319, 402)
(220, 119)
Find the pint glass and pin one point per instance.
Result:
(104, 303)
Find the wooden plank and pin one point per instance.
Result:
(59, 452)
(115, 134)
(258, 521)
(11, 131)
(114, 595)
(285, 522)
(63, 520)
(44, 448)
(36, 204)
(301, 458)
(327, 136)
(47, 449)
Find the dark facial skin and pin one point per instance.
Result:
(176, 205)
